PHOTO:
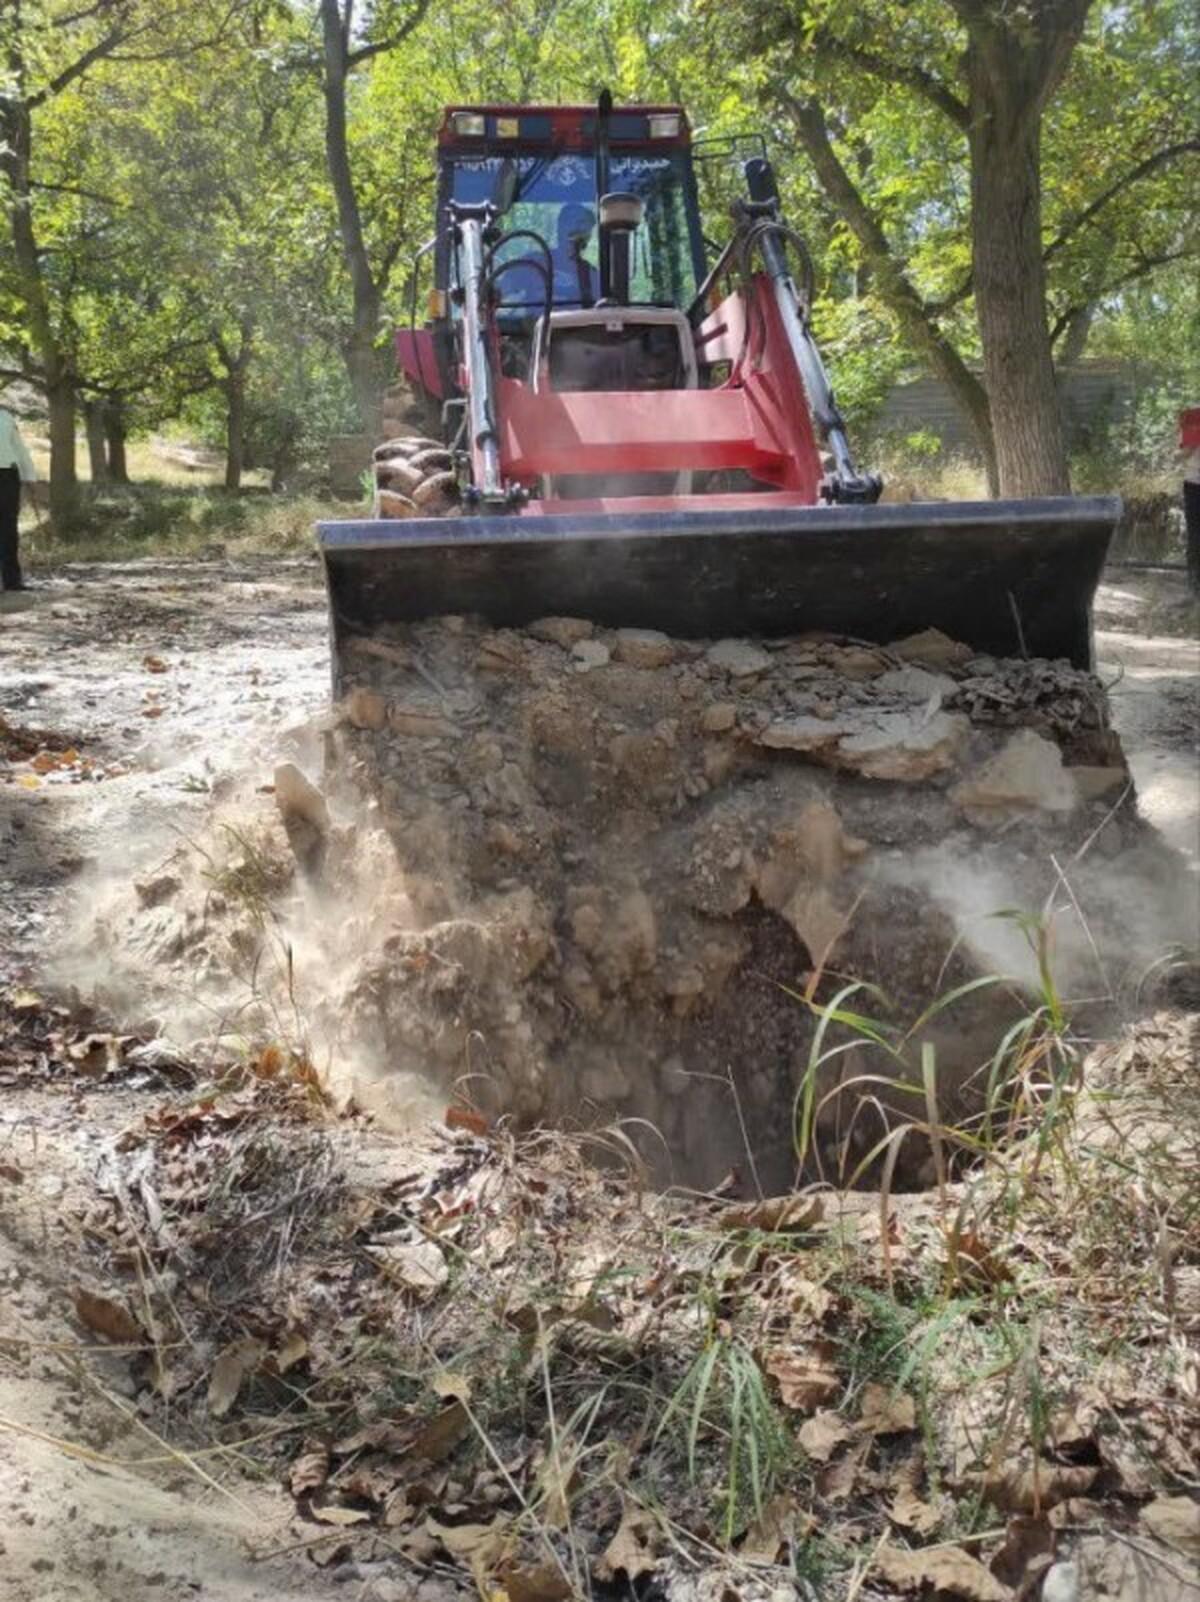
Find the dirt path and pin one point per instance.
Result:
(167, 680)
(1155, 691)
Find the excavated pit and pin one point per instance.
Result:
(579, 876)
(623, 852)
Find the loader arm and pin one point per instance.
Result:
(655, 459)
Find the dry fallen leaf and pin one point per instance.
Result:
(106, 1316)
(155, 711)
(480, 1546)
(450, 1385)
(776, 1215)
(633, 1550)
(441, 1433)
(780, 1523)
(837, 1481)
(294, 1350)
(540, 1582)
(419, 1267)
(466, 1118)
(311, 1468)
(1033, 1490)
(1028, 1550)
(240, 1358)
(1175, 1520)
(908, 1509)
(886, 1412)
(333, 1514)
(822, 1434)
(11, 1173)
(948, 1570)
(154, 664)
(806, 1378)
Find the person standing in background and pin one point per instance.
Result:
(16, 468)
(1189, 444)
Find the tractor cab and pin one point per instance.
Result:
(600, 251)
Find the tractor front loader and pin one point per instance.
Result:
(626, 424)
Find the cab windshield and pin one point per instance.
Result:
(556, 198)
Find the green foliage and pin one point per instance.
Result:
(724, 1394)
(187, 233)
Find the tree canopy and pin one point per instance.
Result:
(212, 206)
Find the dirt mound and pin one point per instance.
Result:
(608, 874)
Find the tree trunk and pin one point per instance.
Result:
(358, 350)
(93, 421)
(235, 428)
(114, 431)
(16, 133)
(891, 282)
(1075, 335)
(64, 482)
(1010, 276)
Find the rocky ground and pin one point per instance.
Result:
(585, 866)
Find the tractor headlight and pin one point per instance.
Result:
(468, 124)
(665, 127)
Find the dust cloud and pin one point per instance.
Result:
(581, 875)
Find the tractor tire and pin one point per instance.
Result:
(414, 477)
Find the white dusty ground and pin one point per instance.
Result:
(244, 650)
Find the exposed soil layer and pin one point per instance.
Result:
(591, 867)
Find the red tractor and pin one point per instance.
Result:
(614, 418)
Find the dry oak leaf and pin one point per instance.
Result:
(106, 1316)
(480, 1546)
(239, 1359)
(837, 1481)
(806, 1378)
(909, 1510)
(1033, 1490)
(633, 1550)
(1028, 1549)
(154, 664)
(1175, 1520)
(822, 1434)
(441, 1433)
(886, 1412)
(948, 1570)
(311, 1468)
(780, 1523)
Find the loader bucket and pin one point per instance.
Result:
(1009, 578)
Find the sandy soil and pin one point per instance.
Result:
(170, 679)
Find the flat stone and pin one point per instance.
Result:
(801, 734)
(643, 648)
(297, 797)
(718, 718)
(1091, 783)
(590, 654)
(915, 684)
(1026, 774)
(855, 662)
(418, 721)
(899, 745)
(564, 631)
(931, 648)
(738, 658)
(365, 709)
